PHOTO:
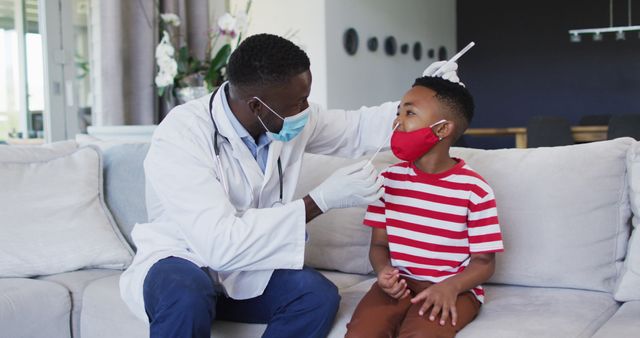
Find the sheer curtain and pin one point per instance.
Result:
(125, 34)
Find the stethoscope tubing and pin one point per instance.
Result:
(216, 150)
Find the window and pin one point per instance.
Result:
(21, 71)
(45, 87)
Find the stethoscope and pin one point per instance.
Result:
(216, 150)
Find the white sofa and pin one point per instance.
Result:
(570, 268)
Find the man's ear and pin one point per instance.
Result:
(255, 106)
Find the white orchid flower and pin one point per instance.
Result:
(163, 79)
(242, 21)
(167, 65)
(170, 19)
(227, 24)
(165, 47)
(168, 69)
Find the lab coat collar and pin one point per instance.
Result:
(240, 150)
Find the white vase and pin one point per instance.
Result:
(186, 94)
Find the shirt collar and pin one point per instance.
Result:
(232, 117)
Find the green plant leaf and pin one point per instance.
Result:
(220, 60)
(212, 77)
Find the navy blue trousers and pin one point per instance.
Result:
(181, 301)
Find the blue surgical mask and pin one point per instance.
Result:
(291, 127)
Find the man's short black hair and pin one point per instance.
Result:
(265, 59)
(456, 98)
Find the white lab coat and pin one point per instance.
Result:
(240, 236)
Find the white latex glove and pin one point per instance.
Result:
(354, 185)
(449, 73)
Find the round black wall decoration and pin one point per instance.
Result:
(431, 53)
(417, 51)
(350, 41)
(372, 44)
(404, 48)
(442, 53)
(390, 46)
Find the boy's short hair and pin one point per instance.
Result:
(265, 60)
(456, 99)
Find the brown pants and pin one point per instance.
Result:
(379, 315)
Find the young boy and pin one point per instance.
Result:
(435, 231)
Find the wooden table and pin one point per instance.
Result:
(25, 141)
(580, 133)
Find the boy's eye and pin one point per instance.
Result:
(409, 112)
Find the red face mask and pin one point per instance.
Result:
(410, 146)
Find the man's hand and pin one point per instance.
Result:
(354, 185)
(450, 72)
(390, 282)
(442, 297)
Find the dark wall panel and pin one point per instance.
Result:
(524, 64)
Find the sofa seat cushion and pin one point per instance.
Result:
(33, 308)
(75, 282)
(624, 323)
(512, 311)
(344, 280)
(104, 314)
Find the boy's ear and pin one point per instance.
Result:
(446, 129)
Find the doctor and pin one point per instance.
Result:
(225, 238)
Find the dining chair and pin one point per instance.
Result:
(548, 131)
(595, 120)
(624, 125)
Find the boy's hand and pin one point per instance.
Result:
(442, 297)
(390, 282)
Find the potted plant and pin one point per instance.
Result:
(181, 75)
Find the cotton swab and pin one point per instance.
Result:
(382, 145)
(454, 58)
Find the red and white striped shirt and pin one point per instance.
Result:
(434, 222)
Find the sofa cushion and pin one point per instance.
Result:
(624, 322)
(33, 308)
(337, 239)
(344, 280)
(53, 215)
(45, 152)
(124, 185)
(559, 205)
(628, 287)
(512, 311)
(104, 314)
(564, 212)
(76, 282)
